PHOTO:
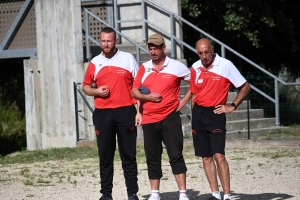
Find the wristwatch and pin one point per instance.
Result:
(233, 105)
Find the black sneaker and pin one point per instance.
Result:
(105, 198)
(133, 197)
(213, 198)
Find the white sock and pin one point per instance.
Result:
(227, 196)
(155, 193)
(182, 193)
(217, 195)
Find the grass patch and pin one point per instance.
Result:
(279, 153)
(187, 136)
(293, 133)
(238, 158)
(68, 154)
(260, 164)
(27, 182)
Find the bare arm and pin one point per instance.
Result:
(193, 97)
(101, 91)
(153, 97)
(138, 117)
(184, 100)
(244, 90)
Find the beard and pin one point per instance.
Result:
(108, 50)
(154, 57)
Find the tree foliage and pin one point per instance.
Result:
(265, 31)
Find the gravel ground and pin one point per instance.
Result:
(257, 173)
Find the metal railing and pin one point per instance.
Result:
(76, 91)
(176, 40)
(90, 38)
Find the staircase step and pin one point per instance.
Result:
(186, 124)
(184, 89)
(187, 130)
(243, 115)
(231, 96)
(242, 106)
(186, 119)
(131, 48)
(254, 124)
(243, 134)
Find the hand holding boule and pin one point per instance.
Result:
(144, 90)
(94, 84)
(103, 91)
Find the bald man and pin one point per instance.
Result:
(211, 77)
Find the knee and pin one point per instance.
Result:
(220, 159)
(207, 160)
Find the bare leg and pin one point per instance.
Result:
(181, 181)
(210, 172)
(154, 183)
(223, 171)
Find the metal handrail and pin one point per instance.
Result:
(77, 89)
(88, 37)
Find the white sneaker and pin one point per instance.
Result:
(184, 198)
(154, 197)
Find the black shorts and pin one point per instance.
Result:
(209, 131)
(168, 131)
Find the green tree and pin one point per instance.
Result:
(265, 31)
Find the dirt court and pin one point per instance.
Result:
(260, 170)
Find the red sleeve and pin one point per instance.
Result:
(89, 74)
(138, 79)
(193, 86)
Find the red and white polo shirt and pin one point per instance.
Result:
(165, 82)
(118, 74)
(211, 85)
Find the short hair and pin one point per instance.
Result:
(108, 30)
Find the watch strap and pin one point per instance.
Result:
(234, 105)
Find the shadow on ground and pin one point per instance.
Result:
(196, 195)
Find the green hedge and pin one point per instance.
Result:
(12, 129)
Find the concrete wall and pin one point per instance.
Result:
(50, 110)
(131, 10)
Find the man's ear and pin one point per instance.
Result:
(116, 40)
(164, 47)
(212, 49)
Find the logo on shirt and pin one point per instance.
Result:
(97, 132)
(149, 69)
(198, 70)
(216, 78)
(200, 80)
(167, 76)
(120, 71)
(100, 65)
